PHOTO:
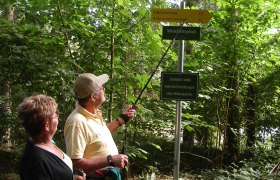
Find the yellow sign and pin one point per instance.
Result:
(181, 15)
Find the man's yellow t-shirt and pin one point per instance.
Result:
(87, 136)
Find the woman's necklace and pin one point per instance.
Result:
(47, 144)
(53, 149)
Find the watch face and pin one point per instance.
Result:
(110, 160)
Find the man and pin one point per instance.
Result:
(88, 138)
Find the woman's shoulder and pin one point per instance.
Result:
(33, 155)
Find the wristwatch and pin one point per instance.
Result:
(110, 160)
(119, 122)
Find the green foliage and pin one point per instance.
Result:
(256, 167)
(48, 43)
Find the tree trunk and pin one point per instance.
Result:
(188, 138)
(231, 144)
(251, 117)
(111, 94)
(6, 92)
(232, 117)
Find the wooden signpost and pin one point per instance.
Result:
(180, 33)
(180, 15)
(180, 86)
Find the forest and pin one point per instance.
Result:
(231, 131)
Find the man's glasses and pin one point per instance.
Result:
(101, 88)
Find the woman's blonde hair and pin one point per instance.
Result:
(34, 112)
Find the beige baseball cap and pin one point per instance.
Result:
(88, 83)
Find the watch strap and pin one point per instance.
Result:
(110, 160)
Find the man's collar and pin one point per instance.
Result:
(86, 113)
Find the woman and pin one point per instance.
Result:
(42, 159)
